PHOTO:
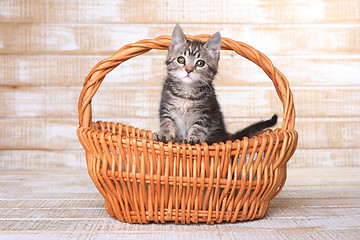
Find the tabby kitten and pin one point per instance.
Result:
(189, 110)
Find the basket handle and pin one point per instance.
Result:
(96, 76)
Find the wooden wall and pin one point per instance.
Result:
(48, 47)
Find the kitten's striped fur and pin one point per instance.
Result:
(189, 110)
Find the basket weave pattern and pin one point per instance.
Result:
(143, 180)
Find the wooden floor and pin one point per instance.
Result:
(64, 204)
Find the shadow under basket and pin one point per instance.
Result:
(146, 181)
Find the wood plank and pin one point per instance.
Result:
(328, 133)
(50, 193)
(59, 134)
(160, 11)
(54, 212)
(328, 70)
(50, 159)
(40, 101)
(148, 70)
(324, 158)
(66, 184)
(308, 101)
(267, 223)
(45, 70)
(52, 38)
(38, 134)
(115, 101)
(322, 181)
(207, 233)
(52, 204)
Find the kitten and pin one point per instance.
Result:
(189, 110)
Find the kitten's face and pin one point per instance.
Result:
(193, 63)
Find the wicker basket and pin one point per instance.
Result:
(143, 180)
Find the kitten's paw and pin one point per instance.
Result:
(193, 140)
(162, 137)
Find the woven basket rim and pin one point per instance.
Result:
(142, 134)
(140, 137)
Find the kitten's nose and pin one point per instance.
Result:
(189, 70)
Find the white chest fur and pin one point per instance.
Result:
(185, 115)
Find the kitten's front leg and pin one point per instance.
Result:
(197, 133)
(167, 131)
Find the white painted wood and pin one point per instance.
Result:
(53, 38)
(48, 47)
(48, 159)
(149, 70)
(325, 158)
(29, 133)
(161, 11)
(54, 204)
(113, 101)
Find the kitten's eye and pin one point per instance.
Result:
(181, 60)
(200, 63)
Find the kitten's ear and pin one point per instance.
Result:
(178, 39)
(213, 45)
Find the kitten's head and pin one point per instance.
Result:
(191, 62)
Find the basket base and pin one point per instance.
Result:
(186, 217)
